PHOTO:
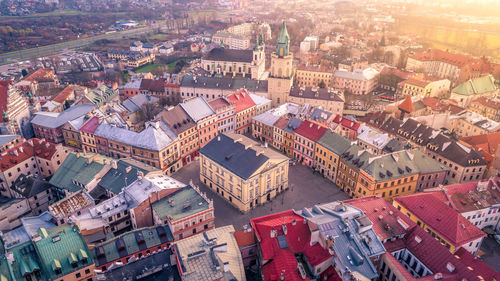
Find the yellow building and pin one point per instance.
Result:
(489, 108)
(430, 212)
(242, 171)
(425, 86)
(328, 150)
(313, 75)
(472, 124)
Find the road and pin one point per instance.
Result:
(27, 54)
(306, 189)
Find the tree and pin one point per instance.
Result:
(24, 72)
(149, 111)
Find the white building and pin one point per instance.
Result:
(358, 81)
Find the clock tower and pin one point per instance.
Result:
(281, 77)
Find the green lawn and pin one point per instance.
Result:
(148, 68)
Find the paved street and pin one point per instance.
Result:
(491, 250)
(305, 190)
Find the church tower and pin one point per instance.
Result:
(259, 58)
(281, 77)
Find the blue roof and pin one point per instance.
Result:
(293, 124)
(233, 156)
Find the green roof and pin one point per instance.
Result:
(116, 179)
(62, 244)
(151, 239)
(400, 164)
(76, 169)
(476, 86)
(334, 142)
(25, 261)
(180, 204)
(283, 41)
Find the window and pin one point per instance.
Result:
(78, 275)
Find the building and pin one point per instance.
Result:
(425, 87)
(489, 108)
(465, 164)
(205, 118)
(438, 63)
(262, 104)
(219, 87)
(408, 247)
(131, 247)
(245, 238)
(444, 223)
(471, 89)
(64, 255)
(306, 136)
(48, 125)
(32, 157)
(38, 192)
(313, 76)
(9, 141)
(186, 130)
(328, 150)
(236, 62)
(87, 138)
(242, 171)
(129, 209)
(15, 111)
(102, 95)
(358, 82)
(225, 115)
(468, 123)
(186, 211)
(231, 41)
(323, 98)
(487, 145)
(157, 145)
(40, 78)
(280, 79)
(289, 136)
(396, 174)
(245, 109)
(345, 127)
(372, 140)
(477, 201)
(79, 172)
(211, 255)
(12, 209)
(65, 210)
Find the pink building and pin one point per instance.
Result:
(306, 136)
(205, 117)
(359, 81)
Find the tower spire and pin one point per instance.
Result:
(283, 41)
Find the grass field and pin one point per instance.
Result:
(148, 68)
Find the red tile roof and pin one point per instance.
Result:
(397, 72)
(153, 85)
(488, 102)
(444, 56)
(41, 75)
(241, 99)
(281, 123)
(25, 150)
(64, 94)
(443, 219)
(346, 123)
(310, 130)
(245, 238)
(421, 244)
(387, 221)
(90, 126)
(282, 259)
(434, 104)
(486, 144)
(407, 105)
(219, 103)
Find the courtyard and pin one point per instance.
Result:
(305, 190)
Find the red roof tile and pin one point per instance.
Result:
(486, 144)
(25, 150)
(444, 56)
(245, 238)
(407, 105)
(241, 99)
(346, 123)
(281, 123)
(64, 94)
(90, 126)
(310, 130)
(219, 103)
(282, 259)
(443, 219)
(40, 75)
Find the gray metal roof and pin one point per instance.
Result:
(197, 108)
(191, 81)
(54, 120)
